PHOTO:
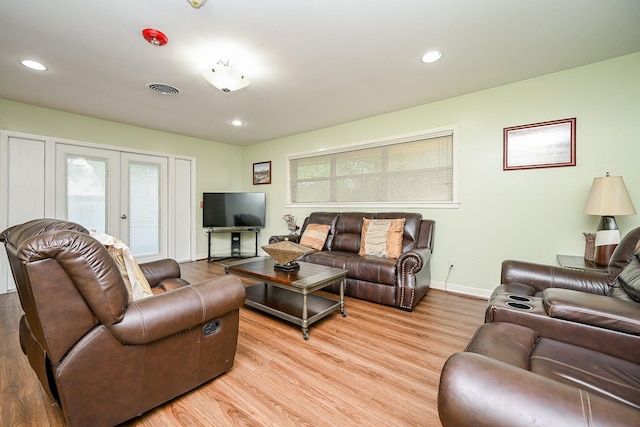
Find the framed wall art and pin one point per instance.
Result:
(262, 173)
(540, 145)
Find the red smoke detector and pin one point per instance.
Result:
(155, 37)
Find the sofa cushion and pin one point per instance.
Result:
(349, 231)
(315, 235)
(366, 269)
(587, 369)
(629, 279)
(382, 238)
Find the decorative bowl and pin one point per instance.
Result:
(286, 253)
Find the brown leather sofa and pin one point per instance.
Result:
(560, 347)
(102, 358)
(400, 282)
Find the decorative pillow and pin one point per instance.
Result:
(137, 285)
(382, 238)
(315, 235)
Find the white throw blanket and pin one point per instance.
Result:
(134, 279)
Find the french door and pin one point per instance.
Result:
(146, 199)
(117, 193)
(143, 205)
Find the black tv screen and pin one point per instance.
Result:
(234, 210)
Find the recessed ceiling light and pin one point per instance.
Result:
(431, 56)
(34, 65)
(237, 122)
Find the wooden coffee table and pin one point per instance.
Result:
(289, 295)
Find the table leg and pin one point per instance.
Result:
(342, 310)
(305, 317)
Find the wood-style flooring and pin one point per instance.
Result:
(379, 366)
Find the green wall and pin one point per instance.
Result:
(528, 214)
(218, 165)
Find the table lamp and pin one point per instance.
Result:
(608, 197)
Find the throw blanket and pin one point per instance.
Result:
(137, 284)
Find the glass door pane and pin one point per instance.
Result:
(87, 182)
(87, 192)
(144, 208)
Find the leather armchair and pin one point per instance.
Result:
(594, 304)
(511, 375)
(102, 358)
(525, 278)
(560, 347)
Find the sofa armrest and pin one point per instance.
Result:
(415, 259)
(150, 319)
(541, 277)
(295, 238)
(413, 272)
(480, 391)
(157, 271)
(595, 310)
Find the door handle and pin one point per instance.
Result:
(123, 216)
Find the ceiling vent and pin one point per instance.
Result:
(163, 89)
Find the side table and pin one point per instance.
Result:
(579, 263)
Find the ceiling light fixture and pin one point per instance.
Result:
(155, 37)
(34, 65)
(431, 56)
(225, 77)
(197, 3)
(237, 122)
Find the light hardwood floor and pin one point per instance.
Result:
(379, 366)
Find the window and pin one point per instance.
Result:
(411, 170)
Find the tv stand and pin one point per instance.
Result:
(236, 242)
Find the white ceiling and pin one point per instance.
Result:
(311, 63)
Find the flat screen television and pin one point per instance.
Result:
(233, 210)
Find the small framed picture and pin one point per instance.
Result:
(262, 173)
(540, 145)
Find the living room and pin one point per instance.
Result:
(528, 214)
(502, 214)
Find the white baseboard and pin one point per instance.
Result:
(464, 290)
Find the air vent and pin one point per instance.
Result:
(163, 89)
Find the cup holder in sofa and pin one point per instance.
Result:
(519, 305)
(519, 298)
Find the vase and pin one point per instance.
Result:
(589, 246)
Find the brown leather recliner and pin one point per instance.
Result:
(544, 296)
(560, 347)
(529, 279)
(511, 375)
(102, 358)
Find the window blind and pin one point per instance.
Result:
(417, 170)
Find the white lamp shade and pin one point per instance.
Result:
(225, 77)
(609, 197)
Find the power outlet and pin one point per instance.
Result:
(452, 263)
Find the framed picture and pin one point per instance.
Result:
(540, 145)
(262, 173)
